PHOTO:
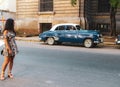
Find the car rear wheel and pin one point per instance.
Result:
(50, 41)
(88, 43)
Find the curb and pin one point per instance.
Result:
(31, 39)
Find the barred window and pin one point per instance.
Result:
(103, 27)
(103, 6)
(46, 5)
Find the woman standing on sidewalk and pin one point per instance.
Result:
(10, 48)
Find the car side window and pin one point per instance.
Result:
(78, 27)
(60, 28)
(57, 28)
(69, 27)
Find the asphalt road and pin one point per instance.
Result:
(39, 65)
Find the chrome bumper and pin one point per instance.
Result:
(100, 40)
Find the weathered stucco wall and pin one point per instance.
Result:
(29, 16)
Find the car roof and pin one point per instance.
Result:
(53, 28)
(66, 24)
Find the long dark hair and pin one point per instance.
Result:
(9, 25)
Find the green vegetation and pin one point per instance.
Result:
(115, 4)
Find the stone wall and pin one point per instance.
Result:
(29, 16)
(27, 11)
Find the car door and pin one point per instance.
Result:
(70, 34)
(59, 31)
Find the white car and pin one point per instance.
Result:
(117, 41)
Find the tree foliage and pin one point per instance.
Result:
(115, 3)
(73, 2)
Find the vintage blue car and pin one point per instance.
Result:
(73, 33)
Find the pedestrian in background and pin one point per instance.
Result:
(10, 48)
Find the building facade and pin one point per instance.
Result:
(7, 10)
(4, 14)
(97, 15)
(41, 15)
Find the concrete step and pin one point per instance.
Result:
(109, 40)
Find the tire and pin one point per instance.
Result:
(88, 43)
(50, 41)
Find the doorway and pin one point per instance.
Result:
(44, 27)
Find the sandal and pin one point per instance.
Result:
(10, 75)
(2, 77)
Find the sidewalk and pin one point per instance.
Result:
(35, 38)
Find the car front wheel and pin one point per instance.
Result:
(88, 43)
(50, 41)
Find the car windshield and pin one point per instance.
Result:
(78, 27)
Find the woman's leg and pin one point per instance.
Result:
(4, 65)
(11, 61)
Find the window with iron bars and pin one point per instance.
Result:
(103, 6)
(46, 5)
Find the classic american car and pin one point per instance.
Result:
(73, 33)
